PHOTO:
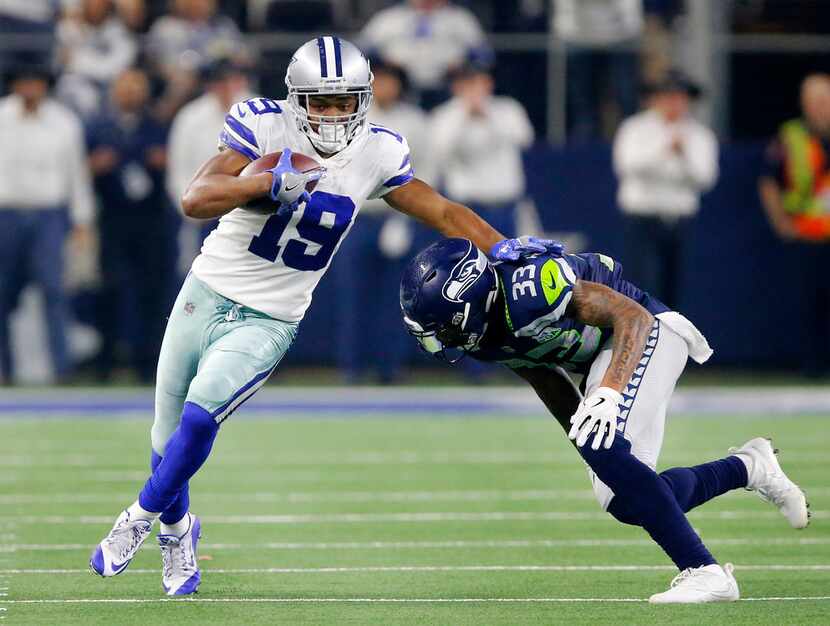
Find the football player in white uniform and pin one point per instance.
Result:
(238, 310)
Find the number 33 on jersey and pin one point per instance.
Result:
(273, 263)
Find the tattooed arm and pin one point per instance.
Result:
(603, 307)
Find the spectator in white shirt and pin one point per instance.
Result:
(428, 39)
(665, 160)
(43, 172)
(477, 141)
(378, 246)
(601, 37)
(192, 141)
(94, 47)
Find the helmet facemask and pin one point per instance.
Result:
(452, 340)
(334, 132)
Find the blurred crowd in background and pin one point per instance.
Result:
(110, 106)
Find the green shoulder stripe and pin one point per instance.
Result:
(506, 310)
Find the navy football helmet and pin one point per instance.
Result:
(446, 295)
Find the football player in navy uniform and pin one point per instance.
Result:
(604, 357)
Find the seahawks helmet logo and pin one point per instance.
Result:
(464, 275)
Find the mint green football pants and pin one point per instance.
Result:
(216, 353)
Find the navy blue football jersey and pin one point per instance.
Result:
(535, 294)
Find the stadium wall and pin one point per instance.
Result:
(741, 286)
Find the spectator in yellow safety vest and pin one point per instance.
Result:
(795, 192)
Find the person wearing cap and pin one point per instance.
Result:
(795, 193)
(477, 139)
(192, 141)
(44, 186)
(379, 246)
(664, 159)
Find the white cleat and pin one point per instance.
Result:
(710, 583)
(768, 480)
(180, 571)
(114, 553)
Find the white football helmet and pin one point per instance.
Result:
(325, 66)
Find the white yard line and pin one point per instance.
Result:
(442, 568)
(345, 496)
(420, 517)
(380, 600)
(419, 545)
(326, 496)
(372, 457)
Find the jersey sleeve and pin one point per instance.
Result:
(394, 161)
(239, 132)
(536, 294)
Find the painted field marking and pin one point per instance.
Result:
(440, 568)
(370, 457)
(471, 495)
(383, 600)
(326, 496)
(425, 517)
(419, 545)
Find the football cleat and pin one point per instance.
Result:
(710, 583)
(180, 570)
(114, 553)
(768, 480)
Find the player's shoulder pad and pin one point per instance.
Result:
(393, 156)
(536, 292)
(244, 122)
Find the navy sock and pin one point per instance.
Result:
(181, 504)
(186, 451)
(641, 498)
(692, 486)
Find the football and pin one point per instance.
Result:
(300, 162)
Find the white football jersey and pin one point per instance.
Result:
(273, 263)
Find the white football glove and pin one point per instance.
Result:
(597, 412)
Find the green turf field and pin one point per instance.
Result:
(395, 521)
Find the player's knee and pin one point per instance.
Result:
(615, 506)
(620, 511)
(211, 389)
(197, 420)
(160, 434)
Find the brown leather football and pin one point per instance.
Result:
(300, 162)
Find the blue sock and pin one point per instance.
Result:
(186, 451)
(692, 486)
(181, 504)
(641, 498)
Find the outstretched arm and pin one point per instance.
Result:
(555, 390)
(601, 306)
(217, 188)
(451, 219)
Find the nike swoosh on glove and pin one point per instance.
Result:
(525, 246)
(288, 185)
(597, 413)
